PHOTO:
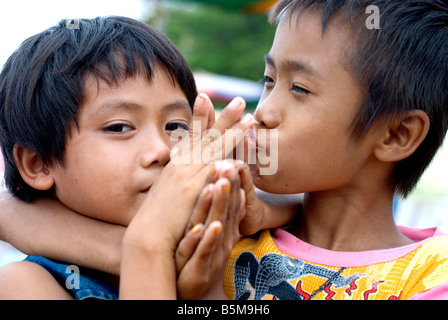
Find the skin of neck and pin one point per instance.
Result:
(356, 217)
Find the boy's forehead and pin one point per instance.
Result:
(301, 52)
(96, 86)
(301, 37)
(135, 91)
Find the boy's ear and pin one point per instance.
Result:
(403, 137)
(32, 169)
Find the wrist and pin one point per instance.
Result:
(149, 242)
(147, 272)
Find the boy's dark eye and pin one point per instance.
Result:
(266, 79)
(176, 126)
(118, 128)
(299, 90)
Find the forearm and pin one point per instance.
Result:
(147, 272)
(34, 227)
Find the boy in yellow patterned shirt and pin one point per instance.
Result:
(360, 110)
(280, 266)
(357, 92)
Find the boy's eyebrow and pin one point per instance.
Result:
(293, 66)
(126, 105)
(119, 104)
(177, 105)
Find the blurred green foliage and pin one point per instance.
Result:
(216, 40)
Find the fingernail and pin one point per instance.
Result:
(205, 192)
(200, 100)
(236, 103)
(226, 188)
(212, 170)
(218, 227)
(218, 230)
(248, 118)
(196, 228)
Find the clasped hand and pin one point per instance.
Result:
(195, 209)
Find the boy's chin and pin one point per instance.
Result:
(263, 182)
(270, 182)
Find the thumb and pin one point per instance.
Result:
(203, 116)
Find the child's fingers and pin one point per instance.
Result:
(230, 115)
(235, 196)
(198, 176)
(229, 170)
(211, 115)
(251, 219)
(226, 207)
(201, 208)
(219, 141)
(236, 208)
(220, 201)
(203, 116)
(231, 232)
(213, 173)
(214, 248)
(203, 272)
(209, 242)
(241, 213)
(219, 145)
(246, 182)
(187, 246)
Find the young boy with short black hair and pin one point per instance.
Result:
(86, 117)
(360, 113)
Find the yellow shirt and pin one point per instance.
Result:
(277, 265)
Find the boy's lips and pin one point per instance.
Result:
(253, 140)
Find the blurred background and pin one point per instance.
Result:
(224, 42)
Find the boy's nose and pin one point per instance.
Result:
(267, 116)
(155, 153)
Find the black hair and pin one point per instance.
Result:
(42, 83)
(401, 66)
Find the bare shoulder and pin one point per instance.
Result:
(25, 280)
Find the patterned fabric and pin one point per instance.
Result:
(258, 269)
